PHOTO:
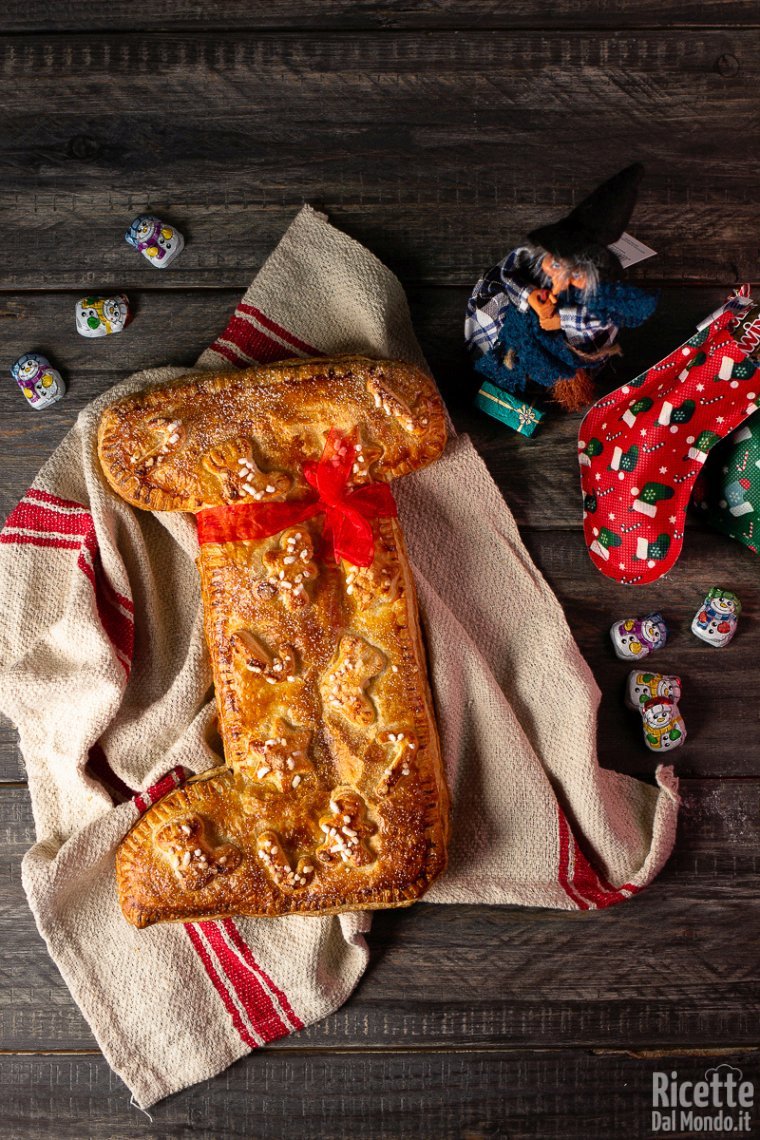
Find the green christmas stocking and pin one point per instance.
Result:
(727, 494)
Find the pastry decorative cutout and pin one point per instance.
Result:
(195, 861)
(404, 745)
(282, 757)
(289, 567)
(272, 855)
(346, 830)
(332, 795)
(344, 687)
(232, 463)
(163, 434)
(379, 583)
(273, 668)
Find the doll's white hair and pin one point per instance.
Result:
(577, 265)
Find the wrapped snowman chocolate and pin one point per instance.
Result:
(156, 241)
(664, 728)
(655, 697)
(717, 618)
(643, 687)
(102, 316)
(41, 383)
(635, 638)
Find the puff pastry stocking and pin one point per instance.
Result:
(332, 796)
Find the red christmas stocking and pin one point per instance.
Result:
(642, 447)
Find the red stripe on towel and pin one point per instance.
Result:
(173, 778)
(119, 627)
(220, 986)
(564, 874)
(54, 500)
(278, 330)
(246, 339)
(38, 540)
(261, 1012)
(230, 354)
(48, 521)
(578, 878)
(252, 342)
(280, 995)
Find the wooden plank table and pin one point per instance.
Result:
(437, 135)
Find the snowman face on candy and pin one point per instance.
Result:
(101, 316)
(651, 633)
(27, 369)
(635, 638)
(666, 689)
(143, 230)
(659, 715)
(114, 311)
(723, 606)
(630, 640)
(38, 380)
(157, 241)
(647, 686)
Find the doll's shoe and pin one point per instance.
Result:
(642, 447)
(642, 687)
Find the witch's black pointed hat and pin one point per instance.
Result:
(595, 223)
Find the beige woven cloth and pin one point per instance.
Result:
(104, 664)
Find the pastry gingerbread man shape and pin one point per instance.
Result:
(324, 803)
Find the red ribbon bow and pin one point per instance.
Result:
(348, 513)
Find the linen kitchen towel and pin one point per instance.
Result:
(106, 675)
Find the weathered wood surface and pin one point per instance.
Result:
(436, 134)
(572, 1095)
(668, 967)
(366, 15)
(437, 150)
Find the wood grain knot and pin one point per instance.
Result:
(727, 65)
(83, 148)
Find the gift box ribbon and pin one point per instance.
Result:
(348, 511)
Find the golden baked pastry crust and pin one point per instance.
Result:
(333, 796)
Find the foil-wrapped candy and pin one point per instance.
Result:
(41, 383)
(102, 316)
(158, 242)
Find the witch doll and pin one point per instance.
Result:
(547, 316)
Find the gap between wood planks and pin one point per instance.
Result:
(348, 30)
(373, 15)
(403, 1050)
(675, 282)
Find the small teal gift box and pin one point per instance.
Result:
(521, 417)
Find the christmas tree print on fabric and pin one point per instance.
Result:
(642, 448)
